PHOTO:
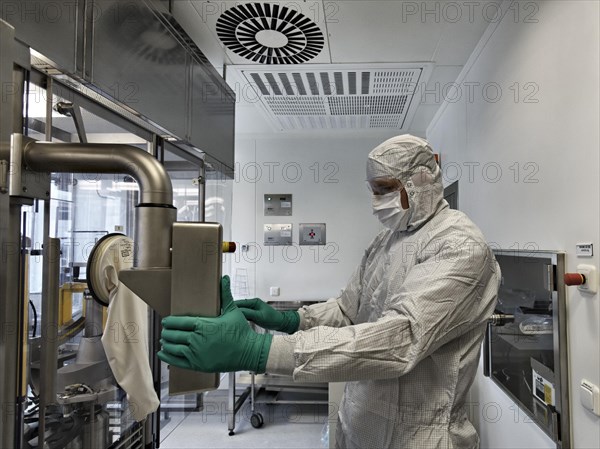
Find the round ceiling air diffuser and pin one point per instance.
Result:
(270, 34)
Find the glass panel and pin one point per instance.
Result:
(82, 209)
(522, 349)
(219, 203)
(184, 178)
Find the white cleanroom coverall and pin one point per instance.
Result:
(405, 334)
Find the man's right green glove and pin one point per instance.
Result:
(261, 313)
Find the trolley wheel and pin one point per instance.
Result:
(231, 433)
(257, 420)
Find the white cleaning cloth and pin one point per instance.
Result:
(125, 338)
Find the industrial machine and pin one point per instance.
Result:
(66, 204)
(526, 348)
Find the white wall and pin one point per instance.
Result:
(553, 127)
(325, 173)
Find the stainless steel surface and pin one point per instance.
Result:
(290, 305)
(96, 429)
(202, 192)
(270, 386)
(9, 239)
(155, 214)
(73, 111)
(152, 285)
(9, 314)
(279, 382)
(94, 314)
(154, 181)
(25, 183)
(559, 304)
(49, 109)
(234, 403)
(312, 234)
(152, 236)
(7, 33)
(34, 22)
(278, 204)
(213, 109)
(277, 234)
(138, 61)
(195, 289)
(16, 156)
(95, 103)
(154, 76)
(50, 299)
(134, 440)
(500, 319)
(3, 176)
(196, 269)
(90, 366)
(231, 404)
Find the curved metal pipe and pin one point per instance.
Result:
(155, 213)
(151, 176)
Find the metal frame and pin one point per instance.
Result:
(450, 190)
(209, 126)
(562, 430)
(57, 157)
(10, 256)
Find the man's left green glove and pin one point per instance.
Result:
(215, 345)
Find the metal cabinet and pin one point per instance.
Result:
(139, 62)
(135, 54)
(525, 350)
(51, 28)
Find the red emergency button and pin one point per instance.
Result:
(574, 279)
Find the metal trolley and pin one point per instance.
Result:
(272, 389)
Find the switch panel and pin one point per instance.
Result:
(278, 205)
(278, 234)
(312, 234)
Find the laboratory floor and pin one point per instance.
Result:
(285, 426)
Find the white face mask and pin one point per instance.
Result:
(389, 211)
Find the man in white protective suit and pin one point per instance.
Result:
(405, 334)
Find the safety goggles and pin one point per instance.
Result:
(384, 185)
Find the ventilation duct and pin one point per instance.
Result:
(334, 97)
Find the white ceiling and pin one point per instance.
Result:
(444, 33)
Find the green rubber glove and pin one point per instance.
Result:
(261, 313)
(215, 345)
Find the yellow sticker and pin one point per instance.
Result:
(548, 394)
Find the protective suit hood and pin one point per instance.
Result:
(410, 159)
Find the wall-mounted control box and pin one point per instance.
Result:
(278, 234)
(312, 234)
(278, 204)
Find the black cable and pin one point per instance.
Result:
(34, 318)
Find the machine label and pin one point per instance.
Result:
(585, 249)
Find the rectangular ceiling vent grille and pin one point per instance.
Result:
(336, 99)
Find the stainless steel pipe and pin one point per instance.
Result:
(154, 215)
(152, 236)
(50, 306)
(151, 176)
